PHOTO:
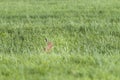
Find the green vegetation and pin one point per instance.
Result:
(85, 36)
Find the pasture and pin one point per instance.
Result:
(85, 37)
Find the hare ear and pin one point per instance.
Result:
(46, 40)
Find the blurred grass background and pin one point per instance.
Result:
(85, 34)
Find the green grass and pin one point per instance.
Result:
(59, 67)
(85, 34)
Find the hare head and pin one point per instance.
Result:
(48, 46)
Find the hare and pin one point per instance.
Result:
(49, 45)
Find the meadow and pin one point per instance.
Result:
(85, 36)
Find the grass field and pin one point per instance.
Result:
(85, 36)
